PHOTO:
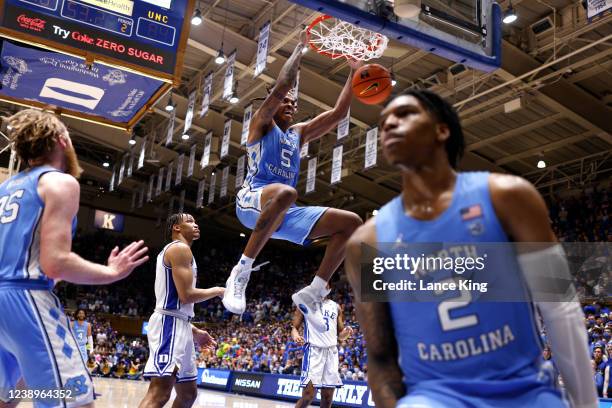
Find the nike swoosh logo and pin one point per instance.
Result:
(369, 88)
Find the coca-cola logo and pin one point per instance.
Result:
(35, 24)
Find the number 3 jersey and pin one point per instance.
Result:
(275, 158)
(457, 339)
(326, 336)
(21, 210)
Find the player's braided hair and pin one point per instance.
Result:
(34, 133)
(171, 222)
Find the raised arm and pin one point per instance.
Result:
(263, 117)
(179, 257)
(523, 214)
(384, 373)
(327, 121)
(60, 192)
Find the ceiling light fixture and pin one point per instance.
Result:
(170, 105)
(196, 19)
(510, 15)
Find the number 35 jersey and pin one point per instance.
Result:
(275, 158)
(458, 338)
(21, 210)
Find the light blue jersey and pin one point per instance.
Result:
(21, 210)
(465, 353)
(80, 332)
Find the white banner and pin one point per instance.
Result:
(343, 126)
(160, 182)
(179, 169)
(181, 201)
(371, 149)
(111, 185)
(192, 153)
(121, 171)
(240, 171)
(336, 173)
(224, 177)
(596, 7)
(130, 165)
(150, 190)
(246, 122)
(228, 85)
(262, 49)
(169, 176)
(170, 128)
(206, 91)
(143, 149)
(200, 197)
(206, 155)
(227, 130)
(312, 175)
(141, 194)
(189, 114)
(211, 189)
(304, 150)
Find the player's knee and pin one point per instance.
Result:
(188, 396)
(161, 394)
(350, 222)
(308, 394)
(286, 196)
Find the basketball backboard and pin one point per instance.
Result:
(465, 31)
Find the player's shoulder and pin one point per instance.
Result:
(510, 188)
(56, 181)
(178, 248)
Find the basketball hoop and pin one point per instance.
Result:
(336, 39)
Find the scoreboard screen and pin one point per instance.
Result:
(144, 35)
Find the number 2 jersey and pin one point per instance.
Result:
(461, 341)
(21, 210)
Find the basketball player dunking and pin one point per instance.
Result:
(266, 202)
(417, 353)
(320, 361)
(82, 332)
(172, 360)
(38, 210)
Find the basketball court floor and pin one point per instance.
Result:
(113, 393)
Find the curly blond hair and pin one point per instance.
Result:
(34, 133)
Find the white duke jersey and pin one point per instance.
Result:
(166, 295)
(328, 336)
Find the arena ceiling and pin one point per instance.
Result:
(562, 77)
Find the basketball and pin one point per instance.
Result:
(372, 84)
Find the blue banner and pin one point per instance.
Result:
(58, 79)
(211, 378)
(109, 221)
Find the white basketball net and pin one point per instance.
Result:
(336, 39)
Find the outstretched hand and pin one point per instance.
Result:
(354, 64)
(204, 339)
(304, 37)
(122, 263)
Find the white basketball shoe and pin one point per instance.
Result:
(234, 298)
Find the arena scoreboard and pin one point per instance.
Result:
(147, 36)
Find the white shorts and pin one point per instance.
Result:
(170, 347)
(320, 366)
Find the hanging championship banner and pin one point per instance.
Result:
(228, 85)
(111, 185)
(304, 150)
(170, 128)
(336, 173)
(206, 155)
(211, 190)
(240, 171)
(130, 165)
(597, 7)
(171, 206)
(227, 129)
(200, 196)
(141, 156)
(312, 175)
(262, 49)
(181, 201)
(121, 171)
(206, 91)
(192, 153)
(343, 126)
(224, 177)
(371, 150)
(150, 191)
(169, 176)
(141, 194)
(160, 182)
(189, 114)
(179, 169)
(246, 122)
